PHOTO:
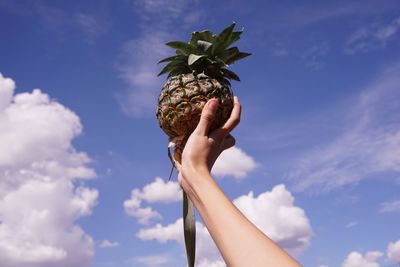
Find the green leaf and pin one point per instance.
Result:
(179, 70)
(234, 37)
(230, 75)
(193, 58)
(237, 57)
(229, 53)
(166, 69)
(221, 63)
(223, 39)
(183, 47)
(203, 35)
(170, 66)
(189, 229)
(203, 45)
(168, 59)
(226, 33)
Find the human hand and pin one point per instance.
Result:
(203, 147)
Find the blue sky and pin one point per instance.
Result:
(83, 163)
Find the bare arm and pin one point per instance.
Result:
(240, 242)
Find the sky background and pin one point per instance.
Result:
(84, 166)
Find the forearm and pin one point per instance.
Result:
(240, 242)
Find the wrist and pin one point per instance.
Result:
(196, 182)
(192, 171)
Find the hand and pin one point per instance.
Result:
(203, 147)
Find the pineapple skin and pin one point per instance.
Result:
(182, 99)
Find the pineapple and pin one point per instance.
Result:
(197, 73)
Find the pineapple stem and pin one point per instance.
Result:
(172, 163)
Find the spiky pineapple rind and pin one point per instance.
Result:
(183, 98)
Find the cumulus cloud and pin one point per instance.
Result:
(273, 212)
(356, 259)
(39, 203)
(393, 251)
(206, 251)
(367, 146)
(108, 244)
(234, 162)
(158, 191)
(372, 37)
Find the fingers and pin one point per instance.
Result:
(233, 120)
(207, 117)
(228, 142)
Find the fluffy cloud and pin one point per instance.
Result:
(206, 251)
(273, 212)
(234, 162)
(161, 191)
(356, 259)
(7, 87)
(157, 191)
(368, 144)
(393, 251)
(39, 203)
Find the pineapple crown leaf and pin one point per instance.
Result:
(205, 53)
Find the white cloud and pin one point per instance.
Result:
(7, 87)
(368, 145)
(206, 251)
(387, 207)
(161, 191)
(108, 244)
(39, 203)
(234, 162)
(211, 263)
(372, 37)
(158, 191)
(356, 259)
(133, 208)
(273, 212)
(393, 251)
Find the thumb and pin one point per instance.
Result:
(207, 116)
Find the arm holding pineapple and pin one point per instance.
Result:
(240, 242)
